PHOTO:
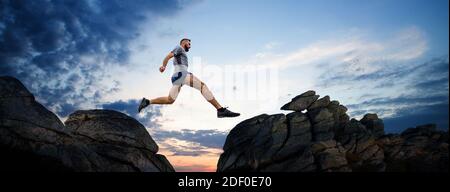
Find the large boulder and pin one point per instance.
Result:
(322, 124)
(363, 152)
(320, 137)
(301, 102)
(373, 124)
(255, 143)
(322, 102)
(121, 141)
(33, 138)
(330, 156)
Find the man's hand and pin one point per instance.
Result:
(162, 68)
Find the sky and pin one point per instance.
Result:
(388, 57)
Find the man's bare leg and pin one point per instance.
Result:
(173, 94)
(162, 100)
(215, 103)
(194, 82)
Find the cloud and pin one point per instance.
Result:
(147, 116)
(410, 43)
(413, 116)
(402, 100)
(272, 45)
(195, 168)
(178, 147)
(206, 138)
(405, 116)
(354, 54)
(62, 49)
(379, 61)
(183, 152)
(432, 76)
(433, 84)
(416, 75)
(424, 95)
(390, 106)
(196, 145)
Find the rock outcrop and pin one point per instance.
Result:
(318, 136)
(33, 138)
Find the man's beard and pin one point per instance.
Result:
(186, 49)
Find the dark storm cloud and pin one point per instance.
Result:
(434, 84)
(434, 77)
(411, 117)
(183, 152)
(426, 79)
(361, 112)
(401, 100)
(130, 107)
(43, 43)
(409, 111)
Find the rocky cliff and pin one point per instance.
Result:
(33, 138)
(318, 136)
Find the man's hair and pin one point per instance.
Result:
(184, 39)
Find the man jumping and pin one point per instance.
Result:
(182, 77)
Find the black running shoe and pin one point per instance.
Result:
(224, 112)
(144, 103)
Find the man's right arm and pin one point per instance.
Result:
(166, 60)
